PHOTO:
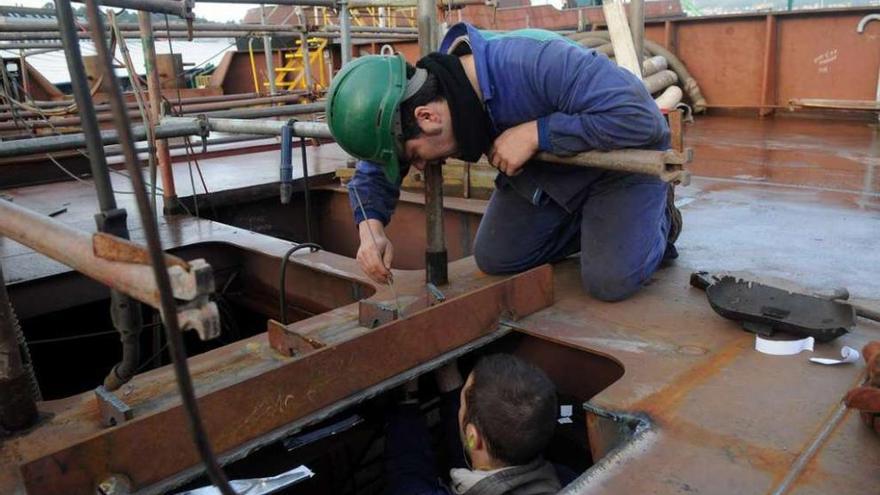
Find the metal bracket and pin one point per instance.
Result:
(289, 342)
(372, 314)
(112, 409)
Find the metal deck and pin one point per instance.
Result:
(784, 199)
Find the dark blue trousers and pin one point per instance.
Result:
(620, 228)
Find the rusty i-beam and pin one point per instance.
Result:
(285, 394)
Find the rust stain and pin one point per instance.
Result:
(772, 460)
(670, 396)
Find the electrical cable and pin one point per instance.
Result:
(157, 255)
(282, 293)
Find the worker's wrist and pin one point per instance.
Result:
(371, 227)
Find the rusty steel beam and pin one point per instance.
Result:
(239, 413)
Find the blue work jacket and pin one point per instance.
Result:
(582, 101)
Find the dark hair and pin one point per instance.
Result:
(428, 93)
(513, 405)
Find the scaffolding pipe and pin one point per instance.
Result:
(303, 3)
(51, 26)
(436, 266)
(261, 113)
(268, 54)
(193, 104)
(64, 142)
(154, 90)
(181, 8)
(307, 61)
(355, 4)
(318, 130)
(637, 27)
(345, 29)
(27, 46)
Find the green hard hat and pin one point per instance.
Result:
(362, 110)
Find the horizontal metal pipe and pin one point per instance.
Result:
(182, 8)
(352, 4)
(304, 3)
(667, 165)
(369, 29)
(260, 113)
(161, 34)
(258, 127)
(52, 26)
(27, 46)
(75, 249)
(63, 142)
(60, 104)
(40, 123)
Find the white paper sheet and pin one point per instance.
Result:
(565, 420)
(565, 410)
(847, 354)
(783, 347)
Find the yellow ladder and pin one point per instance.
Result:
(292, 75)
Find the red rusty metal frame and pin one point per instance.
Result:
(155, 448)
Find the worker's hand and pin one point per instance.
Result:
(514, 147)
(866, 398)
(375, 252)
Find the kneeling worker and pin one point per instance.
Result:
(508, 97)
(505, 420)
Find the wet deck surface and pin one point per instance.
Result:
(724, 418)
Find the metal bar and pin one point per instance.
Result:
(301, 383)
(352, 4)
(436, 266)
(257, 113)
(268, 53)
(667, 165)
(307, 61)
(637, 26)
(304, 3)
(370, 29)
(154, 89)
(51, 26)
(181, 8)
(49, 144)
(75, 248)
(345, 29)
(768, 71)
(256, 127)
(26, 46)
(183, 35)
(81, 93)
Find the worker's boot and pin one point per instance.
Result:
(675, 223)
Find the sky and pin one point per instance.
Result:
(215, 11)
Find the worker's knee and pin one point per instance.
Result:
(490, 259)
(610, 284)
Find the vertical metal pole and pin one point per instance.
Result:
(124, 311)
(18, 407)
(267, 52)
(88, 117)
(435, 255)
(637, 28)
(345, 29)
(307, 61)
(154, 90)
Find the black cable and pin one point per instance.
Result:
(282, 293)
(154, 245)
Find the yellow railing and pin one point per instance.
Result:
(293, 75)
